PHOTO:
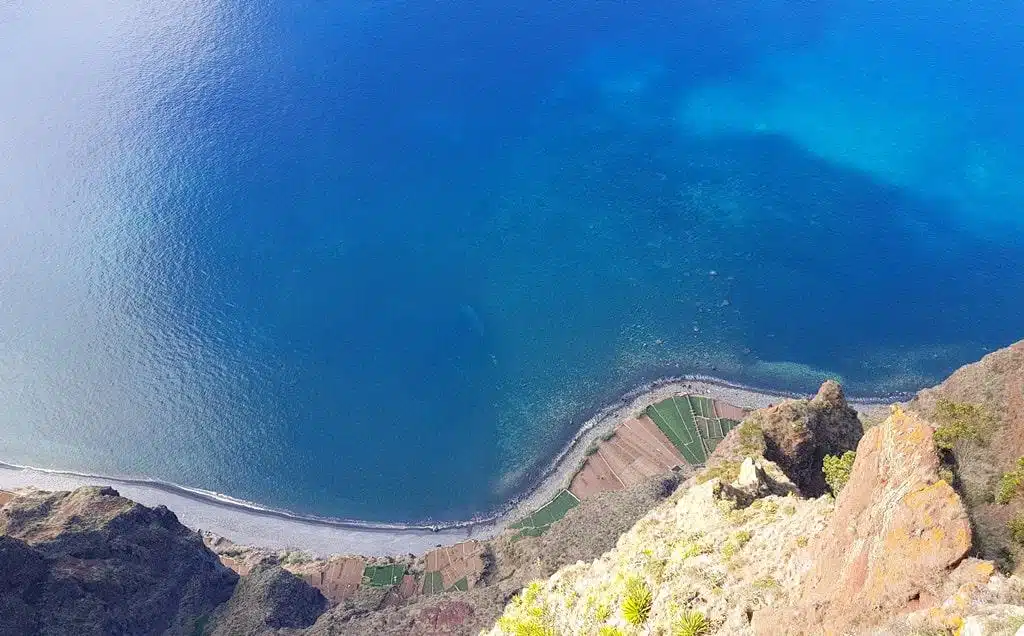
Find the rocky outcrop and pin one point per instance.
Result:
(897, 533)
(267, 599)
(92, 562)
(796, 435)
(991, 391)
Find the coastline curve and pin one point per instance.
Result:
(247, 522)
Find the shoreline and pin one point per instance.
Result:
(249, 523)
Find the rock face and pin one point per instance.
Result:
(270, 598)
(897, 532)
(995, 384)
(91, 562)
(796, 435)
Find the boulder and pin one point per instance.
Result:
(897, 532)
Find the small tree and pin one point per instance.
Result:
(837, 470)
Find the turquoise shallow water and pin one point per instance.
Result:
(377, 260)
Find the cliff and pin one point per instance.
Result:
(785, 530)
(753, 556)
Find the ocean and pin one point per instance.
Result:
(378, 259)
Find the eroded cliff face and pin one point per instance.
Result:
(888, 556)
(92, 562)
(981, 410)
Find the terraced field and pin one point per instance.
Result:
(693, 424)
(383, 575)
(680, 430)
(537, 523)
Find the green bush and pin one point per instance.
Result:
(607, 630)
(727, 472)
(691, 623)
(636, 606)
(524, 616)
(1016, 527)
(751, 438)
(960, 421)
(525, 626)
(837, 470)
(1010, 484)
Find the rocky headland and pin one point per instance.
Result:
(807, 518)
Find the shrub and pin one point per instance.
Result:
(636, 606)
(837, 470)
(1010, 483)
(960, 421)
(602, 613)
(655, 569)
(691, 550)
(591, 449)
(727, 472)
(766, 583)
(607, 630)
(751, 440)
(691, 623)
(525, 626)
(525, 617)
(1016, 527)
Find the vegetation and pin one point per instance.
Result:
(735, 543)
(1010, 484)
(636, 606)
(690, 550)
(1016, 528)
(691, 623)
(960, 421)
(607, 630)
(751, 438)
(837, 470)
(727, 472)
(526, 616)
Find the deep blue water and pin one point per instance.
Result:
(376, 259)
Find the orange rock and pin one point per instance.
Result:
(897, 532)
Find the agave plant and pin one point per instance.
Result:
(636, 607)
(691, 623)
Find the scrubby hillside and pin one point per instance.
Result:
(741, 549)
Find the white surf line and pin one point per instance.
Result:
(248, 523)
